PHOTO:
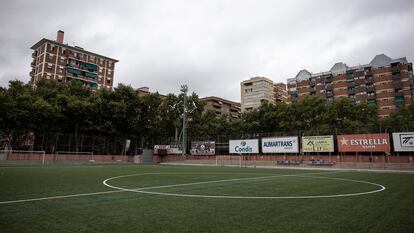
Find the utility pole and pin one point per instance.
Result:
(184, 90)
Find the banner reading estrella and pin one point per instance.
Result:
(364, 143)
(318, 143)
(280, 145)
(248, 146)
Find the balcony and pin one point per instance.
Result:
(399, 98)
(368, 73)
(351, 91)
(34, 54)
(370, 89)
(360, 81)
(33, 64)
(328, 87)
(397, 84)
(91, 67)
(74, 71)
(90, 75)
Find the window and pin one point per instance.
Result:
(109, 72)
(110, 64)
(49, 66)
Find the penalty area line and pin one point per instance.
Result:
(60, 197)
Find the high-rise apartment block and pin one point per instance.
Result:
(386, 82)
(256, 90)
(58, 61)
(222, 107)
(280, 90)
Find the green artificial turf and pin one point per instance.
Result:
(388, 211)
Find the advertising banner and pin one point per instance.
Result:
(318, 143)
(160, 147)
(248, 146)
(203, 148)
(174, 149)
(280, 145)
(170, 149)
(364, 143)
(403, 141)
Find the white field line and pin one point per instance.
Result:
(294, 168)
(60, 197)
(105, 182)
(70, 195)
(128, 190)
(141, 190)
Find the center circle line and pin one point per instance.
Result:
(142, 190)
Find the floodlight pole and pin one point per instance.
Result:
(184, 90)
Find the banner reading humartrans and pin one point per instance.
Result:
(318, 143)
(364, 143)
(248, 146)
(403, 141)
(280, 145)
(203, 148)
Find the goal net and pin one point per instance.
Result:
(229, 160)
(73, 157)
(22, 157)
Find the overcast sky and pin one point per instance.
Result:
(210, 45)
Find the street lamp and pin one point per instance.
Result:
(184, 90)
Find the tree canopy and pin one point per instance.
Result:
(74, 109)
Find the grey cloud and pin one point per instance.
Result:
(211, 45)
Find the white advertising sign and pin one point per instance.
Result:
(403, 141)
(280, 145)
(248, 146)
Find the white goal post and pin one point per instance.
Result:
(229, 160)
(10, 156)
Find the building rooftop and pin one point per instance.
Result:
(75, 48)
(220, 99)
(379, 60)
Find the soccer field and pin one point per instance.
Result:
(133, 198)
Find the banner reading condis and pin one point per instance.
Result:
(364, 143)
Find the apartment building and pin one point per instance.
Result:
(280, 90)
(222, 107)
(256, 90)
(386, 82)
(52, 59)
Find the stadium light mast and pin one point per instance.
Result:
(184, 90)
